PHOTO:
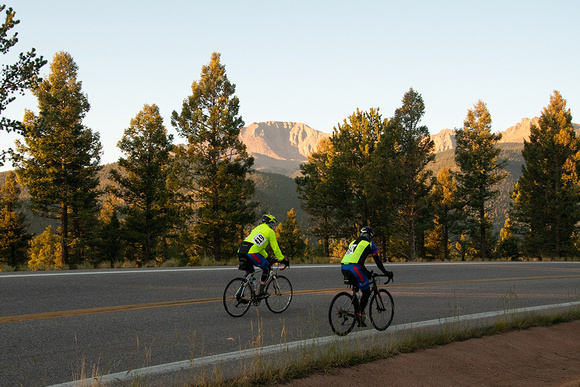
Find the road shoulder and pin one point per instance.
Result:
(540, 356)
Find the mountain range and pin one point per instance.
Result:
(280, 147)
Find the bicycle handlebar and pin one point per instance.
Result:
(389, 278)
(284, 261)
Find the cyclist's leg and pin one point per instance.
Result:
(364, 299)
(352, 280)
(357, 274)
(362, 282)
(260, 261)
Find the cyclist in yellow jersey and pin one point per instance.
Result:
(353, 268)
(252, 251)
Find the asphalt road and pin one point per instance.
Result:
(57, 327)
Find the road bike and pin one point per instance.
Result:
(241, 292)
(342, 315)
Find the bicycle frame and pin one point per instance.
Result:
(273, 273)
(345, 306)
(238, 298)
(373, 283)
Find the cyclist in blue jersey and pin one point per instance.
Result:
(353, 268)
(252, 251)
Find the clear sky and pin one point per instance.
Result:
(311, 61)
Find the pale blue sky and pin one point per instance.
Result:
(312, 61)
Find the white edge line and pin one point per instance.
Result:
(185, 364)
(7, 275)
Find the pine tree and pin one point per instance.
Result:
(214, 165)
(143, 180)
(479, 173)
(547, 195)
(13, 235)
(415, 151)
(17, 77)
(353, 145)
(289, 237)
(59, 159)
(335, 184)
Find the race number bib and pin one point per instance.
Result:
(259, 240)
(351, 249)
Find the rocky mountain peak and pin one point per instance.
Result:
(281, 140)
(444, 140)
(520, 131)
(280, 147)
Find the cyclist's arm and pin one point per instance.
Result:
(274, 245)
(377, 258)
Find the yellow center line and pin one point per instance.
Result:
(105, 309)
(124, 308)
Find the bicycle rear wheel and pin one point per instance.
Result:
(341, 314)
(381, 309)
(237, 297)
(280, 290)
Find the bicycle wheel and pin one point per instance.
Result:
(280, 290)
(237, 297)
(341, 314)
(381, 309)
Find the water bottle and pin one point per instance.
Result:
(255, 285)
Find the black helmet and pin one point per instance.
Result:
(269, 219)
(367, 230)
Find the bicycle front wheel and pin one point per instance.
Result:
(341, 314)
(237, 297)
(381, 309)
(280, 290)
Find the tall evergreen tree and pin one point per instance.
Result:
(17, 77)
(13, 236)
(59, 159)
(215, 164)
(353, 145)
(479, 172)
(143, 180)
(547, 195)
(334, 186)
(415, 151)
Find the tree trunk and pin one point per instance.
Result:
(63, 235)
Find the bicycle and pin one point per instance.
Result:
(342, 314)
(241, 292)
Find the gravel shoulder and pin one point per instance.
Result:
(540, 356)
